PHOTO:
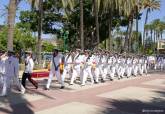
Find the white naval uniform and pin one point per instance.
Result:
(55, 70)
(135, 67)
(95, 69)
(78, 68)
(88, 71)
(67, 67)
(2, 71)
(163, 63)
(105, 67)
(112, 67)
(129, 67)
(140, 66)
(123, 67)
(145, 70)
(11, 74)
(119, 68)
(101, 66)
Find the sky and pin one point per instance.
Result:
(159, 14)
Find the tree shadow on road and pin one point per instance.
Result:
(155, 106)
(15, 103)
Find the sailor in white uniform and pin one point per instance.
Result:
(2, 67)
(135, 67)
(77, 71)
(95, 68)
(129, 67)
(67, 67)
(88, 69)
(55, 69)
(11, 74)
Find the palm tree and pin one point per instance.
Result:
(71, 4)
(38, 4)
(133, 11)
(96, 6)
(10, 22)
(156, 31)
(161, 27)
(109, 6)
(150, 5)
(81, 24)
(147, 29)
(40, 30)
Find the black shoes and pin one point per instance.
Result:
(46, 88)
(62, 87)
(111, 79)
(102, 81)
(36, 86)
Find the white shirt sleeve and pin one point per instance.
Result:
(31, 65)
(16, 67)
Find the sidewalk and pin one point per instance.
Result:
(137, 95)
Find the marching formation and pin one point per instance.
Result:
(98, 66)
(82, 66)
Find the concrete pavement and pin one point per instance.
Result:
(136, 95)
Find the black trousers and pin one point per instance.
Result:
(28, 75)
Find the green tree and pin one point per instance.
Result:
(150, 5)
(22, 39)
(47, 47)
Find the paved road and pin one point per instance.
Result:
(136, 95)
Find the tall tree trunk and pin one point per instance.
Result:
(146, 19)
(151, 34)
(110, 42)
(11, 22)
(137, 27)
(126, 39)
(39, 31)
(107, 39)
(129, 36)
(81, 25)
(161, 35)
(96, 21)
(154, 40)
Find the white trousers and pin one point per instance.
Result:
(105, 72)
(7, 84)
(145, 68)
(58, 76)
(112, 72)
(87, 72)
(77, 71)
(120, 72)
(129, 71)
(66, 73)
(102, 71)
(96, 73)
(135, 70)
(140, 69)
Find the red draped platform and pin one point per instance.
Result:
(40, 73)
